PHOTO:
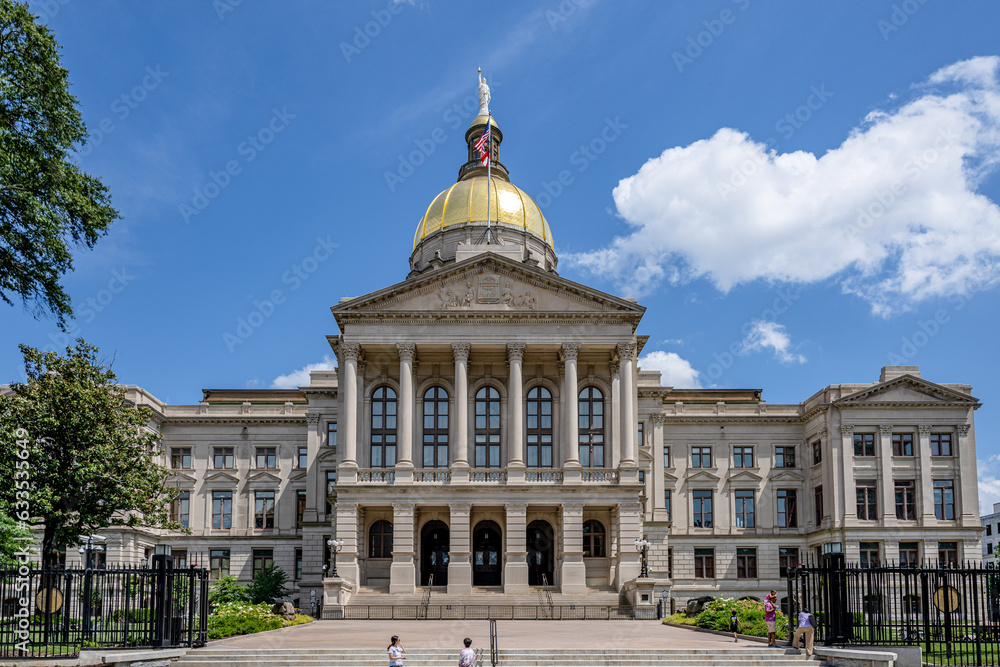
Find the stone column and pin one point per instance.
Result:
(460, 551)
(628, 427)
(613, 433)
(629, 530)
(925, 508)
(966, 489)
(402, 577)
(573, 574)
(348, 427)
(460, 415)
(571, 409)
(888, 504)
(515, 568)
(844, 488)
(347, 530)
(515, 408)
(404, 426)
(314, 440)
(657, 484)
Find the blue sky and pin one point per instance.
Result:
(799, 193)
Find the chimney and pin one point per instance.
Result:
(892, 372)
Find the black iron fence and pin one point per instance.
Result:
(56, 612)
(486, 612)
(952, 613)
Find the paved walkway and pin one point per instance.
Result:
(512, 634)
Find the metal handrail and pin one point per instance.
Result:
(545, 588)
(494, 644)
(426, 602)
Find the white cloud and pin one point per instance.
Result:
(300, 378)
(892, 214)
(764, 335)
(989, 483)
(674, 371)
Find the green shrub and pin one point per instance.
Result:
(240, 618)
(226, 590)
(716, 613)
(268, 583)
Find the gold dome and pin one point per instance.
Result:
(465, 202)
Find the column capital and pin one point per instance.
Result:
(516, 508)
(403, 507)
(625, 351)
(846, 429)
(823, 433)
(570, 350)
(885, 429)
(406, 351)
(572, 508)
(615, 368)
(515, 351)
(459, 508)
(350, 351)
(461, 351)
(657, 418)
(963, 430)
(312, 418)
(924, 429)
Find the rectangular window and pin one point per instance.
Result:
(701, 457)
(818, 502)
(666, 456)
(864, 444)
(944, 499)
(787, 508)
(788, 558)
(267, 458)
(989, 548)
(867, 497)
(223, 458)
(302, 458)
(906, 499)
(941, 444)
(989, 529)
(817, 452)
(182, 508)
(902, 444)
(180, 458)
(263, 509)
(743, 457)
(784, 457)
(947, 554)
(909, 554)
(298, 564)
(222, 509)
(640, 435)
(702, 503)
(300, 507)
(331, 435)
(869, 554)
(261, 559)
(642, 494)
(331, 485)
(666, 504)
(746, 563)
(670, 563)
(744, 509)
(180, 559)
(704, 563)
(219, 563)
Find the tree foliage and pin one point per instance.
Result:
(227, 590)
(268, 583)
(90, 451)
(46, 200)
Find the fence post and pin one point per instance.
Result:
(161, 600)
(841, 629)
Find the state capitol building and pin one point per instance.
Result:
(489, 431)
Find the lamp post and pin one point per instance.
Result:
(335, 547)
(641, 546)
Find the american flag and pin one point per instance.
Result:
(482, 146)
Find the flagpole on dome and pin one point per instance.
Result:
(489, 177)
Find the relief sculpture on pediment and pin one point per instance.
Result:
(485, 291)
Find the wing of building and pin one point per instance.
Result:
(488, 426)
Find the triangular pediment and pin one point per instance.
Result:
(221, 477)
(488, 284)
(745, 477)
(668, 478)
(181, 479)
(703, 477)
(298, 476)
(906, 389)
(263, 477)
(787, 476)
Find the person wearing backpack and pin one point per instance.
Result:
(734, 625)
(806, 629)
(467, 658)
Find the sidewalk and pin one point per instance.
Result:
(512, 634)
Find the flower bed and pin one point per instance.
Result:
(243, 618)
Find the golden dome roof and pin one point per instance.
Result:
(465, 202)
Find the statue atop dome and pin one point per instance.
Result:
(484, 95)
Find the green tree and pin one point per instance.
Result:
(90, 451)
(46, 200)
(269, 582)
(227, 589)
(10, 532)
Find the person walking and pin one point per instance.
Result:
(770, 613)
(734, 625)
(396, 652)
(806, 629)
(467, 658)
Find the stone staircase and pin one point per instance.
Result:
(219, 656)
(597, 596)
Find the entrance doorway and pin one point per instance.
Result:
(541, 552)
(486, 550)
(434, 545)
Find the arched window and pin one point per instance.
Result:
(539, 428)
(591, 428)
(384, 428)
(380, 540)
(436, 428)
(487, 428)
(593, 539)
